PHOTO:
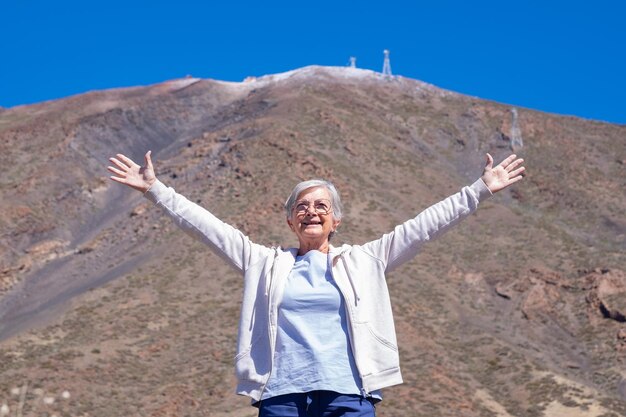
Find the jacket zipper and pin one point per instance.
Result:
(349, 318)
(269, 324)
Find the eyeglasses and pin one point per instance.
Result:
(319, 207)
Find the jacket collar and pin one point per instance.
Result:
(333, 251)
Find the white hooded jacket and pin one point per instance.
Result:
(358, 270)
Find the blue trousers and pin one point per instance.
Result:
(317, 404)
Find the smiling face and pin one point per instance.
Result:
(312, 229)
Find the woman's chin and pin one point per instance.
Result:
(313, 236)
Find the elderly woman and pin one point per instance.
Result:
(316, 332)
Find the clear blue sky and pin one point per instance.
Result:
(558, 56)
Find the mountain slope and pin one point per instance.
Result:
(515, 312)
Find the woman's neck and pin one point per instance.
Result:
(305, 247)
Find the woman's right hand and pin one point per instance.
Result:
(129, 173)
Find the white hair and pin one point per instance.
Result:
(335, 200)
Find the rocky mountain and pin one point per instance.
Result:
(107, 309)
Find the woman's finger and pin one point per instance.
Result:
(127, 160)
(516, 179)
(489, 164)
(118, 179)
(119, 164)
(508, 160)
(514, 164)
(117, 171)
(148, 159)
(517, 172)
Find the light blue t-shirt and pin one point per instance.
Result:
(312, 343)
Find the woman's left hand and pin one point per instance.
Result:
(504, 174)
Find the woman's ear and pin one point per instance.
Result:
(290, 225)
(336, 224)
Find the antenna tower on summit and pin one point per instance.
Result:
(386, 64)
(516, 133)
(352, 62)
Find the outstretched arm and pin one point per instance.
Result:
(127, 172)
(406, 239)
(504, 174)
(228, 242)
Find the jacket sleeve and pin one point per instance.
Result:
(405, 241)
(226, 241)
